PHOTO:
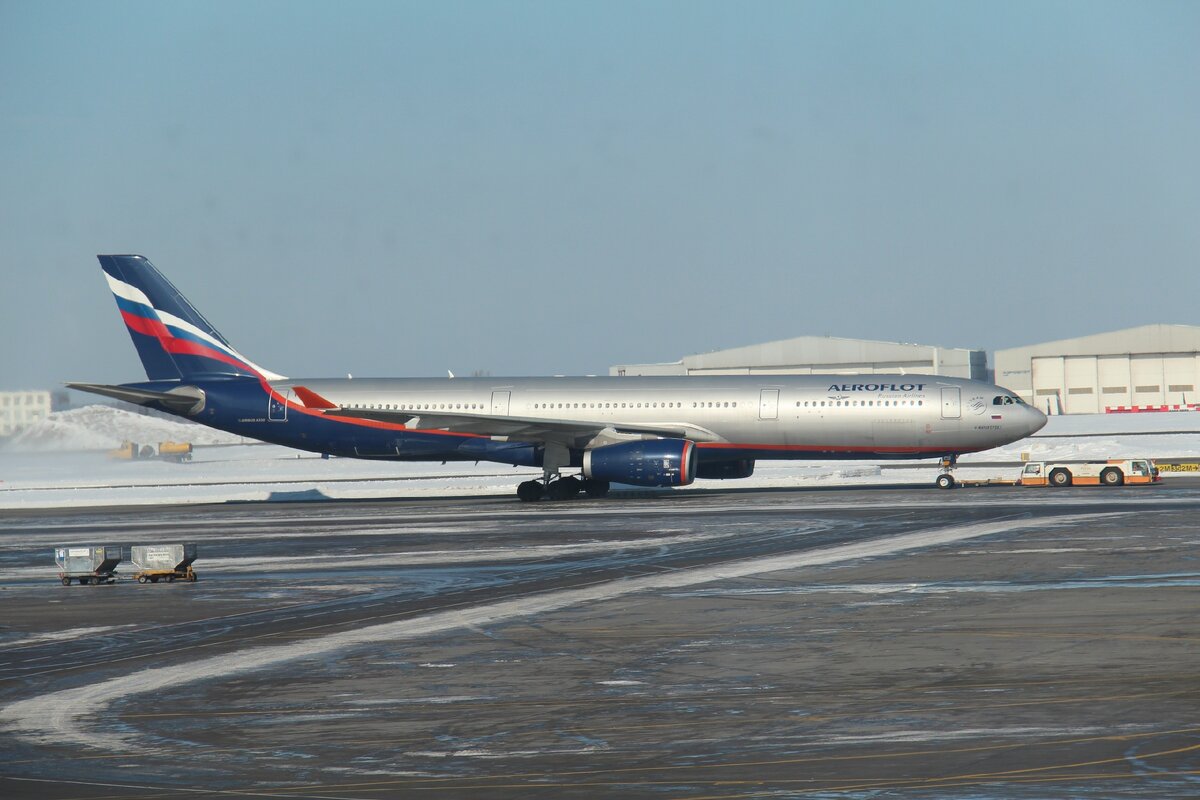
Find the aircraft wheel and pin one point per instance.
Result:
(529, 491)
(945, 481)
(570, 486)
(563, 489)
(595, 488)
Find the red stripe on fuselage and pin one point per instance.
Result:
(358, 421)
(818, 448)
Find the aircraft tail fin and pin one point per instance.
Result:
(173, 339)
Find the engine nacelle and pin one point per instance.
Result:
(738, 468)
(653, 462)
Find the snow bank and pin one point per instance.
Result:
(105, 427)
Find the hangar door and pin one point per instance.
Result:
(1179, 378)
(1066, 384)
(1080, 375)
(1146, 377)
(1048, 384)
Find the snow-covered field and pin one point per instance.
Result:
(63, 462)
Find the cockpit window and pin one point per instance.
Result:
(1003, 400)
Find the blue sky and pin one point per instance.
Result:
(546, 188)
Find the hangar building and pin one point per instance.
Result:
(822, 355)
(1149, 367)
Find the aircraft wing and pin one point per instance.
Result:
(573, 433)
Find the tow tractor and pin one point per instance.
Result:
(1113, 472)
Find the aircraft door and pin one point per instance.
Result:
(277, 408)
(951, 402)
(500, 404)
(768, 404)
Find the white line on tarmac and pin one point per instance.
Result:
(62, 717)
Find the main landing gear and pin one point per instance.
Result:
(561, 488)
(554, 484)
(946, 480)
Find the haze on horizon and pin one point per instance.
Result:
(537, 188)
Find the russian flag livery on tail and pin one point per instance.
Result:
(173, 339)
(583, 433)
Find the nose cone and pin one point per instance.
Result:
(1034, 420)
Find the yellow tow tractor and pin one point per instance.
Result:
(1113, 472)
(167, 451)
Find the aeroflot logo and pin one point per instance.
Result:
(877, 387)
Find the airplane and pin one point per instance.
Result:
(585, 433)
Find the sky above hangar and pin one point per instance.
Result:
(551, 188)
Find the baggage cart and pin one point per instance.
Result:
(165, 562)
(87, 565)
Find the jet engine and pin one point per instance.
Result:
(653, 462)
(737, 468)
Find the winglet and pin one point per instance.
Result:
(311, 399)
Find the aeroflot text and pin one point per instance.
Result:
(877, 387)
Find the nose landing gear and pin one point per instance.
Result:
(946, 480)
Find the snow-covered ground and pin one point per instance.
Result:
(63, 462)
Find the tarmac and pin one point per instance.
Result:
(867, 643)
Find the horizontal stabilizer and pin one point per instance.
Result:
(184, 400)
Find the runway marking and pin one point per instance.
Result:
(62, 716)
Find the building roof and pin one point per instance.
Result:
(1157, 338)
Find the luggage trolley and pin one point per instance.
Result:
(166, 562)
(87, 565)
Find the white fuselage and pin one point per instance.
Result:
(775, 416)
